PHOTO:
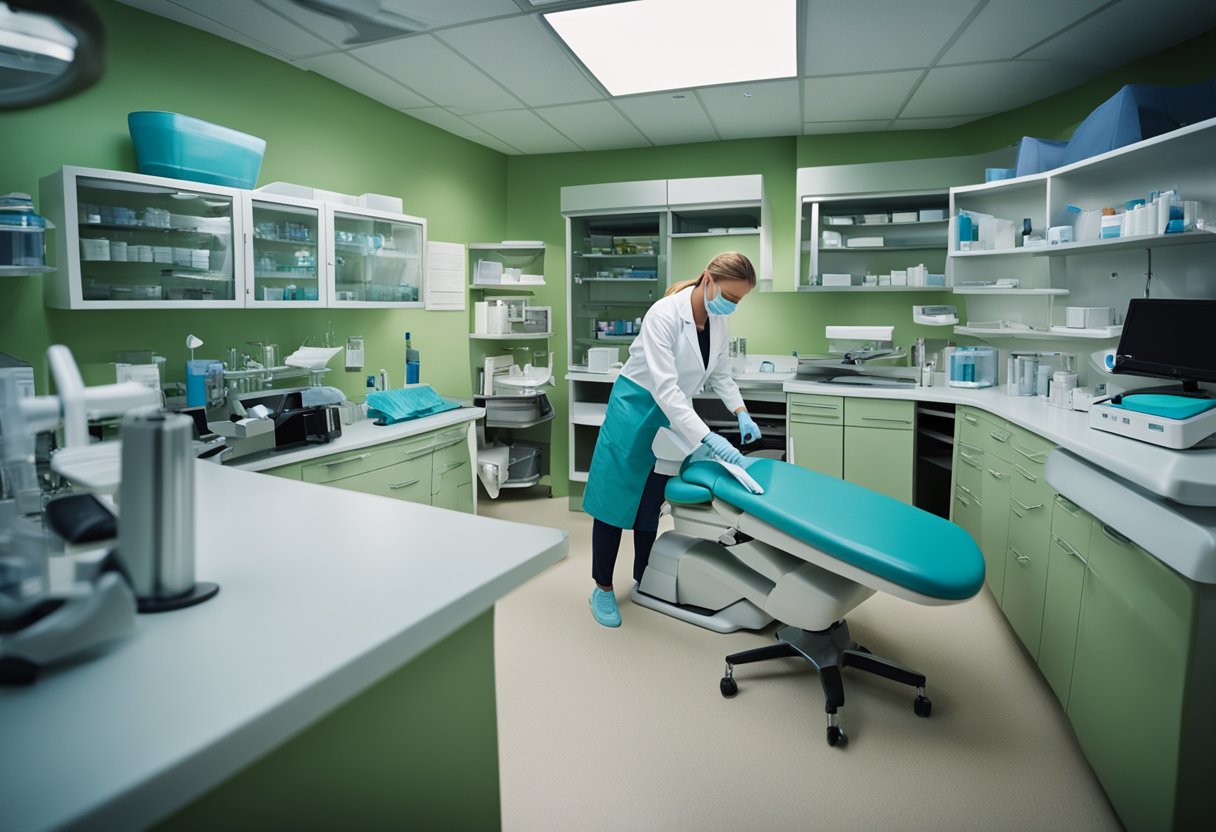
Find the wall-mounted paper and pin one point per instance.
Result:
(445, 275)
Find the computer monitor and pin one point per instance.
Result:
(1174, 339)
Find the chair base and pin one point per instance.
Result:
(829, 651)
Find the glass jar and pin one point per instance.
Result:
(21, 232)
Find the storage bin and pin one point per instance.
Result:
(515, 410)
(524, 462)
(21, 232)
(182, 147)
(972, 367)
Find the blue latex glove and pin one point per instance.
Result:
(723, 449)
(749, 431)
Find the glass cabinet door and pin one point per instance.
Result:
(286, 259)
(377, 259)
(142, 242)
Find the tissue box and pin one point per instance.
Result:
(864, 242)
(899, 277)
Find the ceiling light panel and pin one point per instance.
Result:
(524, 57)
(650, 45)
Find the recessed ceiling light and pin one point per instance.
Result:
(651, 45)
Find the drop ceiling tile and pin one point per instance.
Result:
(353, 23)
(1128, 30)
(845, 36)
(989, 88)
(523, 129)
(596, 125)
(436, 72)
(525, 58)
(812, 128)
(934, 123)
(853, 97)
(1001, 31)
(759, 108)
(267, 33)
(457, 126)
(350, 73)
(665, 119)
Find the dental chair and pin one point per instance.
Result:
(805, 552)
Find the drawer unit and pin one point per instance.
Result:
(1062, 605)
(1026, 578)
(967, 511)
(340, 466)
(1028, 450)
(451, 471)
(816, 410)
(817, 446)
(409, 480)
(1071, 523)
(974, 426)
(880, 413)
(969, 468)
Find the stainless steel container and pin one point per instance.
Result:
(156, 510)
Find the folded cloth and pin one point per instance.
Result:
(391, 406)
(313, 396)
(311, 358)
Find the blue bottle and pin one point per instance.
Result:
(413, 366)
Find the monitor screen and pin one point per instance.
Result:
(1169, 339)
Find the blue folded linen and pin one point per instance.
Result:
(391, 406)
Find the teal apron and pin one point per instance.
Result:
(623, 458)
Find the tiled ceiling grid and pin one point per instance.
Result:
(492, 71)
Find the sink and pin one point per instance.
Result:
(532, 377)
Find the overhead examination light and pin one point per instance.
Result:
(650, 45)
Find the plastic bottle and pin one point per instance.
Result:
(413, 366)
(964, 232)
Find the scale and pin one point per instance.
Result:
(1173, 421)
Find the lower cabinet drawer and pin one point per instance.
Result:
(1071, 524)
(880, 413)
(409, 480)
(1026, 579)
(820, 410)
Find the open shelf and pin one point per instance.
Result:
(16, 271)
(514, 336)
(506, 287)
(742, 233)
(909, 247)
(999, 252)
(994, 290)
(1122, 243)
(874, 288)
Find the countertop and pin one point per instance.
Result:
(310, 612)
(362, 434)
(1187, 477)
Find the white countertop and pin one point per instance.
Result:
(361, 434)
(310, 612)
(1187, 477)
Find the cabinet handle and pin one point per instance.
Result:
(995, 435)
(1025, 473)
(452, 466)
(970, 460)
(1015, 511)
(1019, 556)
(974, 449)
(997, 474)
(1033, 456)
(405, 484)
(968, 490)
(1114, 535)
(1064, 503)
(969, 418)
(1026, 507)
(1068, 550)
(819, 405)
(348, 459)
(962, 500)
(883, 419)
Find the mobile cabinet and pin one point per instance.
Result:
(129, 241)
(432, 469)
(376, 259)
(879, 445)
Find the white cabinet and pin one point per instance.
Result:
(288, 252)
(1103, 272)
(709, 215)
(129, 241)
(377, 258)
(614, 196)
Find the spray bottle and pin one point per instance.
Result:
(413, 366)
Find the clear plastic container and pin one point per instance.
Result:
(21, 232)
(972, 367)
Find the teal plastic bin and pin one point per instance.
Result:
(182, 147)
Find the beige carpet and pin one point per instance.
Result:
(626, 730)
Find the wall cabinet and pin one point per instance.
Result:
(130, 241)
(432, 468)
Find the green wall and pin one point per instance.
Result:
(318, 133)
(324, 135)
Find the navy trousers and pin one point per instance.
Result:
(606, 538)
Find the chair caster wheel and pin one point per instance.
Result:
(922, 707)
(728, 687)
(837, 737)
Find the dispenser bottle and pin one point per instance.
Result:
(413, 366)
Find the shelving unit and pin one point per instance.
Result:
(529, 258)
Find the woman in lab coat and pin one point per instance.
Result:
(681, 348)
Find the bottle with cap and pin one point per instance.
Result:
(413, 365)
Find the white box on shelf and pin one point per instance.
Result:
(836, 279)
(864, 242)
(927, 214)
(488, 272)
(831, 239)
(899, 277)
(382, 202)
(838, 220)
(532, 279)
(904, 216)
(875, 217)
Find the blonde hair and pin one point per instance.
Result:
(729, 265)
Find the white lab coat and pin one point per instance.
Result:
(665, 359)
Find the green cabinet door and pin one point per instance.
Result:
(1061, 611)
(967, 512)
(452, 474)
(409, 480)
(1026, 575)
(994, 534)
(817, 447)
(880, 459)
(1129, 676)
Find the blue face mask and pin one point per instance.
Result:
(720, 305)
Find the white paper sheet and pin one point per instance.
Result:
(445, 276)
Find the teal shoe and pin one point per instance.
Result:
(603, 607)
